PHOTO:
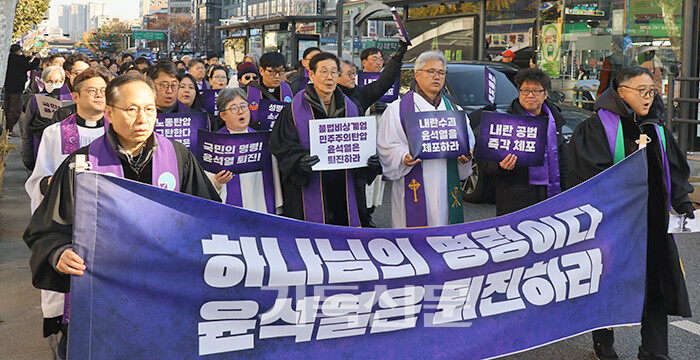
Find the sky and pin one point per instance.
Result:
(123, 9)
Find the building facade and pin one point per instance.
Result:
(76, 19)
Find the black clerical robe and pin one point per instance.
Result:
(589, 154)
(51, 227)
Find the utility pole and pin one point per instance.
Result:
(339, 27)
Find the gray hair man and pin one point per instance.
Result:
(437, 177)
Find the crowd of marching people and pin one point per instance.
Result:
(105, 111)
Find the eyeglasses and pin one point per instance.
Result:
(93, 91)
(375, 59)
(351, 74)
(219, 77)
(324, 73)
(165, 86)
(274, 72)
(49, 82)
(249, 77)
(134, 110)
(642, 92)
(526, 92)
(433, 72)
(234, 108)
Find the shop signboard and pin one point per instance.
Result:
(551, 44)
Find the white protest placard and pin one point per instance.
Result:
(47, 105)
(678, 224)
(343, 143)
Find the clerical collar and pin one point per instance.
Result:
(87, 123)
(435, 102)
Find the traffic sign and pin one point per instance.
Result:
(147, 35)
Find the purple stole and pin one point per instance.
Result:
(548, 173)
(233, 187)
(613, 132)
(203, 85)
(165, 172)
(65, 93)
(312, 195)
(415, 206)
(70, 137)
(255, 95)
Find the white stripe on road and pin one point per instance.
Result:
(687, 326)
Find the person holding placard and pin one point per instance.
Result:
(268, 96)
(317, 196)
(75, 64)
(424, 192)
(626, 113)
(259, 190)
(53, 78)
(518, 187)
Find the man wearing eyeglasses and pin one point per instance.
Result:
(270, 87)
(58, 142)
(365, 96)
(129, 149)
(316, 196)
(300, 78)
(518, 187)
(629, 108)
(436, 178)
(164, 75)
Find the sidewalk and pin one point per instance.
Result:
(20, 303)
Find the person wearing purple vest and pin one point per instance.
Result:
(629, 108)
(269, 88)
(518, 187)
(317, 196)
(424, 192)
(128, 149)
(259, 190)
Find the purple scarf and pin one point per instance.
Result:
(255, 96)
(312, 195)
(165, 171)
(548, 173)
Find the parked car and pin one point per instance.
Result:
(465, 84)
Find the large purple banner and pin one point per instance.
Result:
(437, 134)
(182, 127)
(172, 276)
(237, 153)
(209, 96)
(502, 134)
(268, 111)
(365, 78)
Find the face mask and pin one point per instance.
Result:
(51, 87)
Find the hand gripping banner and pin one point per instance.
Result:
(171, 276)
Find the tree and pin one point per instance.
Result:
(110, 35)
(180, 26)
(27, 14)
